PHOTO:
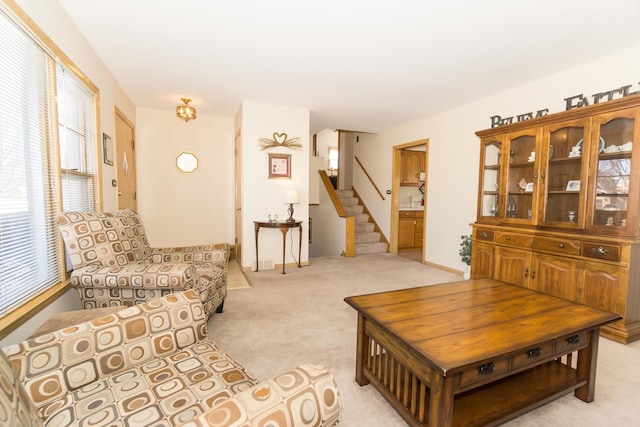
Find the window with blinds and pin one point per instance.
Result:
(31, 177)
(76, 131)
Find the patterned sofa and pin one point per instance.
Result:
(151, 365)
(113, 263)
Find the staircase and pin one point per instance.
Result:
(367, 240)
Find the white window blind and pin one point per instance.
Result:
(28, 239)
(30, 174)
(76, 130)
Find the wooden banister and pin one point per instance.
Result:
(332, 193)
(350, 225)
(368, 176)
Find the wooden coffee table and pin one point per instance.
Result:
(474, 353)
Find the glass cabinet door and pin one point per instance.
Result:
(490, 179)
(520, 202)
(564, 172)
(615, 191)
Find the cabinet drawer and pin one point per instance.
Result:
(483, 372)
(572, 342)
(485, 235)
(563, 246)
(407, 214)
(513, 239)
(599, 251)
(532, 356)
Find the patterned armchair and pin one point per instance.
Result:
(113, 263)
(152, 365)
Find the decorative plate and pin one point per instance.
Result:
(600, 150)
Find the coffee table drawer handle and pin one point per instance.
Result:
(534, 352)
(573, 340)
(486, 369)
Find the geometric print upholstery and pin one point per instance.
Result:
(113, 264)
(304, 396)
(109, 239)
(152, 365)
(16, 408)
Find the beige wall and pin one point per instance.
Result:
(452, 179)
(185, 209)
(262, 195)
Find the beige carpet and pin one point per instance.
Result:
(282, 321)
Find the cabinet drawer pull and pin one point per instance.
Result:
(507, 238)
(600, 251)
(534, 352)
(575, 339)
(486, 369)
(484, 234)
(561, 245)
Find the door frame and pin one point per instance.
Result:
(396, 174)
(119, 114)
(237, 141)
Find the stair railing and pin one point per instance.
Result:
(350, 227)
(368, 176)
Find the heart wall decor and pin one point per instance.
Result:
(280, 139)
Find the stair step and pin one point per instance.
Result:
(367, 241)
(370, 248)
(367, 237)
(353, 210)
(362, 217)
(364, 227)
(344, 194)
(349, 201)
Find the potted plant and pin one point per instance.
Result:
(465, 254)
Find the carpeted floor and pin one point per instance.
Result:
(282, 321)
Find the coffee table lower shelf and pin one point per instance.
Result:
(497, 402)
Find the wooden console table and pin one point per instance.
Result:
(475, 353)
(284, 227)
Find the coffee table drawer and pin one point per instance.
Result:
(532, 355)
(571, 342)
(483, 372)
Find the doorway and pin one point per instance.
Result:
(238, 195)
(408, 200)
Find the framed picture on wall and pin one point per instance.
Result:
(107, 149)
(279, 165)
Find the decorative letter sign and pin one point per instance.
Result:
(571, 102)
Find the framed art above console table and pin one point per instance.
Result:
(558, 203)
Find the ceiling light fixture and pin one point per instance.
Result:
(185, 111)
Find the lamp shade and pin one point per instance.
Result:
(291, 197)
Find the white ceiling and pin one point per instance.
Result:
(363, 65)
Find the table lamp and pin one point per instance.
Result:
(291, 197)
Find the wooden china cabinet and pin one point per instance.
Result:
(558, 204)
